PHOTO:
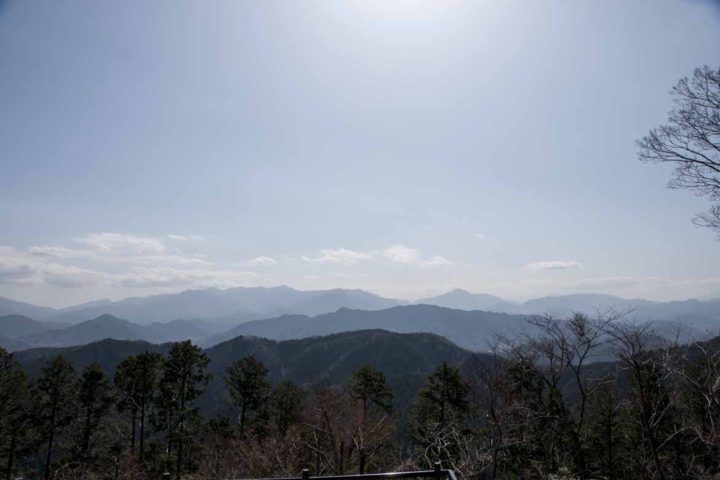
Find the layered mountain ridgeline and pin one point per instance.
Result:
(464, 300)
(16, 326)
(13, 307)
(228, 306)
(473, 330)
(237, 305)
(405, 359)
(105, 326)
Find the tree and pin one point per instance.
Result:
(286, 402)
(14, 412)
(488, 392)
(691, 140)
(96, 397)
(248, 387)
(184, 378)
(137, 379)
(369, 387)
(56, 395)
(440, 413)
(330, 435)
(444, 399)
(653, 401)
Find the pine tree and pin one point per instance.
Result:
(248, 387)
(444, 399)
(369, 387)
(56, 396)
(440, 413)
(184, 378)
(137, 380)
(286, 402)
(14, 412)
(96, 398)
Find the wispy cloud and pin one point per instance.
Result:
(122, 242)
(339, 256)
(436, 261)
(185, 238)
(262, 261)
(114, 259)
(554, 265)
(479, 236)
(401, 254)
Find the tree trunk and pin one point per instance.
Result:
(51, 440)
(132, 434)
(142, 431)
(11, 456)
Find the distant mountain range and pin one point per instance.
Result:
(23, 332)
(697, 313)
(229, 306)
(235, 305)
(464, 300)
(405, 359)
(210, 316)
(473, 330)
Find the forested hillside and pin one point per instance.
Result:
(367, 400)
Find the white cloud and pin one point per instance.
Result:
(401, 254)
(554, 265)
(173, 277)
(262, 261)
(112, 259)
(479, 236)
(122, 242)
(59, 251)
(183, 238)
(340, 256)
(436, 261)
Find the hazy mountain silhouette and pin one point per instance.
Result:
(15, 326)
(108, 326)
(464, 300)
(228, 306)
(13, 307)
(469, 329)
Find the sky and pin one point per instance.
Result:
(403, 147)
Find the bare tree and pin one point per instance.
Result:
(691, 140)
(562, 350)
(648, 361)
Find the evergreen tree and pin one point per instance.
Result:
(184, 378)
(286, 402)
(56, 396)
(440, 413)
(248, 387)
(137, 379)
(96, 397)
(14, 412)
(444, 399)
(369, 387)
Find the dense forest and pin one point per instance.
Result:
(581, 397)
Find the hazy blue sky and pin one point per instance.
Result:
(401, 147)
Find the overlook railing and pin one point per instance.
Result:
(436, 473)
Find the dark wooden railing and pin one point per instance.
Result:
(437, 473)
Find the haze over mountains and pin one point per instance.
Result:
(211, 316)
(229, 306)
